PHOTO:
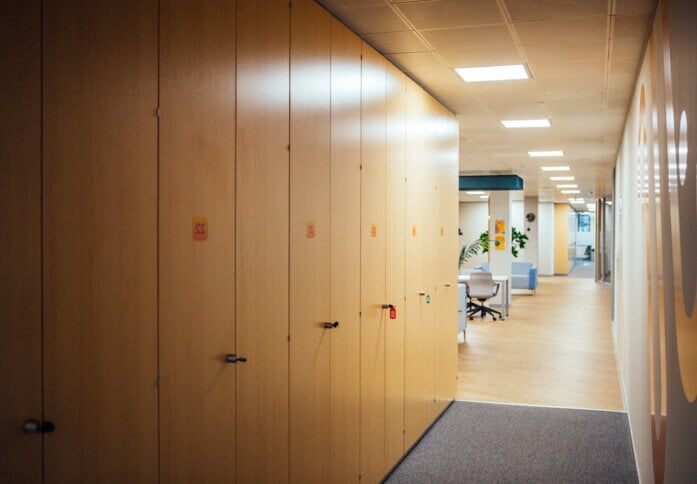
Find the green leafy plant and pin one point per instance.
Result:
(518, 241)
(467, 251)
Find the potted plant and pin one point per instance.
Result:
(518, 240)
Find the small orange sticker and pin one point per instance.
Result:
(200, 228)
(311, 232)
(373, 230)
(413, 230)
(442, 231)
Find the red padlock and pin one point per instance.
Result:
(393, 312)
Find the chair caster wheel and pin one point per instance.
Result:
(471, 318)
(494, 319)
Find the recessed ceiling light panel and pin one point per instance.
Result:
(555, 168)
(474, 193)
(571, 191)
(526, 123)
(492, 73)
(545, 154)
(561, 178)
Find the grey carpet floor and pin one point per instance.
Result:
(484, 442)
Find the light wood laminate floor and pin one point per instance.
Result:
(555, 348)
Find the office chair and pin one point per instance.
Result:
(481, 287)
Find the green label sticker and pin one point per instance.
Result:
(428, 299)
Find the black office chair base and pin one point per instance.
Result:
(474, 308)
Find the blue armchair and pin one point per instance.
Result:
(523, 276)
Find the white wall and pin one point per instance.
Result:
(545, 217)
(474, 219)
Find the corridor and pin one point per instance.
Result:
(554, 349)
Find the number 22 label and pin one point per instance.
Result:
(200, 228)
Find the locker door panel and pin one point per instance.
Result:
(262, 215)
(419, 355)
(396, 222)
(373, 233)
(197, 277)
(309, 241)
(345, 284)
(20, 249)
(100, 240)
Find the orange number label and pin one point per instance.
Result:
(442, 231)
(311, 232)
(200, 228)
(373, 230)
(413, 230)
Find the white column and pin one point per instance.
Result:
(529, 254)
(500, 210)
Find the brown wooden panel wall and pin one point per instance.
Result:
(197, 277)
(20, 246)
(262, 240)
(310, 63)
(373, 236)
(100, 240)
(345, 251)
(396, 221)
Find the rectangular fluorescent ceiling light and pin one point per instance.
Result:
(545, 154)
(571, 191)
(568, 185)
(555, 168)
(561, 178)
(484, 196)
(577, 200)
(492, 73)
(526, 123)
(474, 193)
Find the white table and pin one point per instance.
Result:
(503, 280)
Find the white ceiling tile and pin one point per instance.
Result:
(565, 53)
(631, 27)
(417, 61)
(526, 10)
(396, 42)
(468, 38)
(486, 56)
(572, 98)
(635, 6)
(442, 14)
(371, 19)
(557, 31)
(581, 75)
(627, 49)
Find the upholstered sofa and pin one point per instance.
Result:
(523, 275)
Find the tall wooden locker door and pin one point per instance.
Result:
(20, 247)
(418, 346)
(396, 221)
(345, 284)
(446, 321)
(373, 295)
(262, 215)
(100, 240)
(310, 232)
(197, 240)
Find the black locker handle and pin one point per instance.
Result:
(233, 358)
(39, 426)
(330, 325)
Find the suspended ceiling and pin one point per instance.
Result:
(582, 57)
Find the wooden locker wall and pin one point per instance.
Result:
(262, 215)
(396, 221)
(20, 247)
(373, 233)
(345, 284)
(197, 277)
(100, 240)
(309, 241)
